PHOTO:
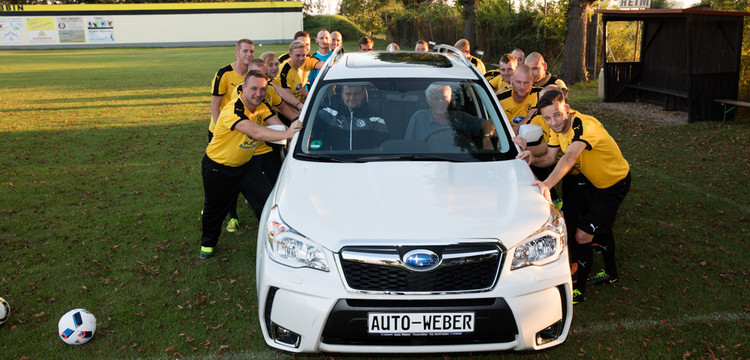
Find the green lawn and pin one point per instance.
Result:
(100, 199)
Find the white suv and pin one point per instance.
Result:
(392, 231)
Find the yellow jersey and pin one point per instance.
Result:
(229, 146)
(478, 64)
(514, 111)
(601, 162)
(290, 78)
(273, 99)
(223, 84)
(498, 84)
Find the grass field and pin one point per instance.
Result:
(100, 199)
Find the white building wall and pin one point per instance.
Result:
(200, 24)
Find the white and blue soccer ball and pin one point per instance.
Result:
(76, 327)
(4, 311)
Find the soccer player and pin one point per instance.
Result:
(228, 167)
(464, 46)
(539, 148)
(324, 52)
(500, 79)
(336, 41)
(228, 77)
(539, 71)
(222, 86)
(604, 175)
(290, 76)
(366, 44)
(520, 57)
(521, 97)
(303, 36)
(422, 46)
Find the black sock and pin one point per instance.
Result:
(585, 258)
(607, 243)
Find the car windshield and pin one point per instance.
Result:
(403, 119)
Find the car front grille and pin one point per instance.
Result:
(461, 268)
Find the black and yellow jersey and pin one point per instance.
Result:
(478, 64)
(514, 111)
(601, 162)
(550, 80)
(229, 146)
(499, 85)
(223, 84)
(491, 74)
(290, 78)
(273, 99)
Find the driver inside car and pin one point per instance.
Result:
(437, 124)
(349, 124)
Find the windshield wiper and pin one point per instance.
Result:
(411, 157)
(319, 157)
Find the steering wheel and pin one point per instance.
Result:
(449, 138)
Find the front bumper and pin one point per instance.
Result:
(527, 309)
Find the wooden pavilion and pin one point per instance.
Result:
(688, 59)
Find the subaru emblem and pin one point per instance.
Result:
(421, 260)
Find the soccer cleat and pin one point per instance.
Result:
(233, 225)
(558, 204)
(578, 297)
(206, 252)
(601, 278)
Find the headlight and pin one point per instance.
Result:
(544, 246)
(291, 248)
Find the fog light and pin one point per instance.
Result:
(284, 336)
(549, 333)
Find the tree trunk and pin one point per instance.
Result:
(470, 8)
(573, 67)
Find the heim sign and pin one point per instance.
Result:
(640, 4)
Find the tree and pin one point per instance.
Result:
(470, 14)
(573, 67)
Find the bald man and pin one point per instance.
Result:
(464, 46)
(517, 101)
(539, 72)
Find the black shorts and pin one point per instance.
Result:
(599, 206)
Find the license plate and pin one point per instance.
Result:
(420, 323)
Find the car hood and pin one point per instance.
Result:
(409, 202)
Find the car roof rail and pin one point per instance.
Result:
(337, 53)
(450, 50)
(332, 60)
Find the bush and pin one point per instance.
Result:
(498, 30)
(348, 30)
(438, 22)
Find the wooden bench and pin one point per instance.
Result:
(730, 105)
(670, 94)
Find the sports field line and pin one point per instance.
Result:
(632, 325)
(697, 189)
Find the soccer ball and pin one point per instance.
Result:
(4, 311)
(76, 327)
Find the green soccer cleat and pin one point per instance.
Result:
(601, 278)
(206, 252)
(233, 225)
(578, 297)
